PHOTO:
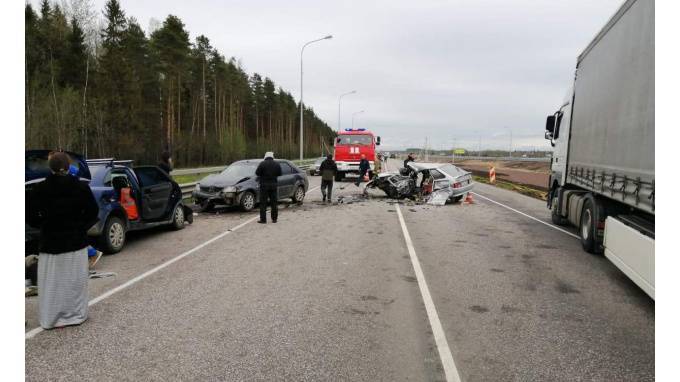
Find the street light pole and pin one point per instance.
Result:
(340, 99)
(302, 106)
(353, 114)
(510, 151)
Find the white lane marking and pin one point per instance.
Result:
(31, 333)
(529, 216)
(449, 365)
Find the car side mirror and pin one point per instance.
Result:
(377, 141)
(119, 183)
(337, 140)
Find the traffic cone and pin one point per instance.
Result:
(492, 175)
(468, 198)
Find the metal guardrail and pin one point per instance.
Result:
(187, 188)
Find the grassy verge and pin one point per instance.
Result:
(189, 178)
(520, 188)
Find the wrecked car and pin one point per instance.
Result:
(435, 182)
(237, 185)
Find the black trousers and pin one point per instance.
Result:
(268, 195)
(327, 188)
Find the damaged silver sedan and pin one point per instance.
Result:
(435, 183)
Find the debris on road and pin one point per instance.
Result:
(101, 275)
(439, 197)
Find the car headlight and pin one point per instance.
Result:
(229, 189)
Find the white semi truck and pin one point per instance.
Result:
(602, 170)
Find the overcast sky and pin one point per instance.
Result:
(445, 70)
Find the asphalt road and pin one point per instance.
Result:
(330, 293)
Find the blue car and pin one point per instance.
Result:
(158, 199)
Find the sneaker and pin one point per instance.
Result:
(262, 221)
(274, 220)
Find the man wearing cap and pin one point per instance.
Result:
(268, 172)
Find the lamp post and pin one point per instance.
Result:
(340, 99)
(302, 106)
(510, 151)
(353, 114)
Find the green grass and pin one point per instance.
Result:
(520, 188)
(189, 178)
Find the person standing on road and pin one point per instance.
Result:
(410, 158)
(364, 167)
(64, 209)
(328, 169)
(166, 162)
(268, 172)
(378, 164)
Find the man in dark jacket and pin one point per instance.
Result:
(328, 169)
(268, 172)
(166, 162)
(410, 158)
(364, 167)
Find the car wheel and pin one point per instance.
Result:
(457, 199)
(113, 236)
(247, 201)
(178, 217)
(299, 195)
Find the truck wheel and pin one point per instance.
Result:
(554, 216)
(113, 236)
(247, 201)
(178, 217)
(339, 176)
(590, 216)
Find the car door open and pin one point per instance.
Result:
(156, 189)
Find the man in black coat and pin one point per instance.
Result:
(268, 172)
(364, 168)
(410, 158)
(328, 169)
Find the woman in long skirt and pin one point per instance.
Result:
(64, 209)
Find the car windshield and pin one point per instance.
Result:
(451, 170)
(351, 139)
(238, 171)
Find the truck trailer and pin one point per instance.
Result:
(602, 169)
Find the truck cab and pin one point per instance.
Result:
(350, 145)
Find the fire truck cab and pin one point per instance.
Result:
(350, 144)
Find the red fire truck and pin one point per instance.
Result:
(350, 144)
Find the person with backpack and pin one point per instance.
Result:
(328, 169)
